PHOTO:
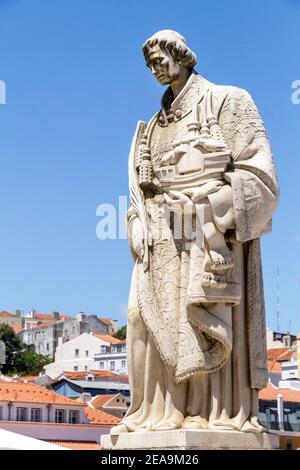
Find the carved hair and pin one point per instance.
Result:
(173, 43)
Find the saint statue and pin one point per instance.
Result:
(203, 189)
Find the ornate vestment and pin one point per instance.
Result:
(177, 324)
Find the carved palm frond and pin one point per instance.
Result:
(137, 200)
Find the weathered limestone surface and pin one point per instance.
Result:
(189, 440)
(203, 190)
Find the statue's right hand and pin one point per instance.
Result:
(138, 237)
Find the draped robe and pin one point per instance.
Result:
(198, 354)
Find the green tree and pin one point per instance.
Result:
(28, 362)
(13, 347)
(121, 333)
(20, 357)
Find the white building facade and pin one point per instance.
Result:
(277, 340)
(79, 354)
(37, 412)
(42, 413)
(114, 362)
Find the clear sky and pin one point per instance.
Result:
(76, 85)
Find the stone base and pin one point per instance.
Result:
(191, 440)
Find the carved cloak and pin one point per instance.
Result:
(202, 341)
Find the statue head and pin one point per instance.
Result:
(167, 54)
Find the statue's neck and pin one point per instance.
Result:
(178, 84)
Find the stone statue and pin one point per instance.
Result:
(196, 320)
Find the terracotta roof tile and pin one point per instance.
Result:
(100, 417)
(73, 375)
(81, 375)
(107, 321)
(27, 378)
(77, 445)
(6, 314)
(98, 374)
(271, 392)
(285, 356)
(49, 316)
(37, 326)
(17, 328)
(108, 338)
(43, 316)
(31, 393)
(273, 353)
(100, 400)
(122, 378)
(274, 366)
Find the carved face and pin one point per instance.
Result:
(162, 65)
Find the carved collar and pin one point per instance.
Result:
(174, 110)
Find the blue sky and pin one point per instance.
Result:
(76, 85)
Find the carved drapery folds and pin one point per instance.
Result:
(188, 319)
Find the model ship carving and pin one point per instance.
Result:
(201, 156)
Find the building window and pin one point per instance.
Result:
(73, 417)
(75, 368)
(76, 353)
(59, 416)
(101, 365)
(21, 414)
(103, 349)
(85, 367)
(47, 346)
(86, 353)
(35, 415)
(123, 364)
(112, 365)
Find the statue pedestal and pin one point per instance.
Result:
(191, 440)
